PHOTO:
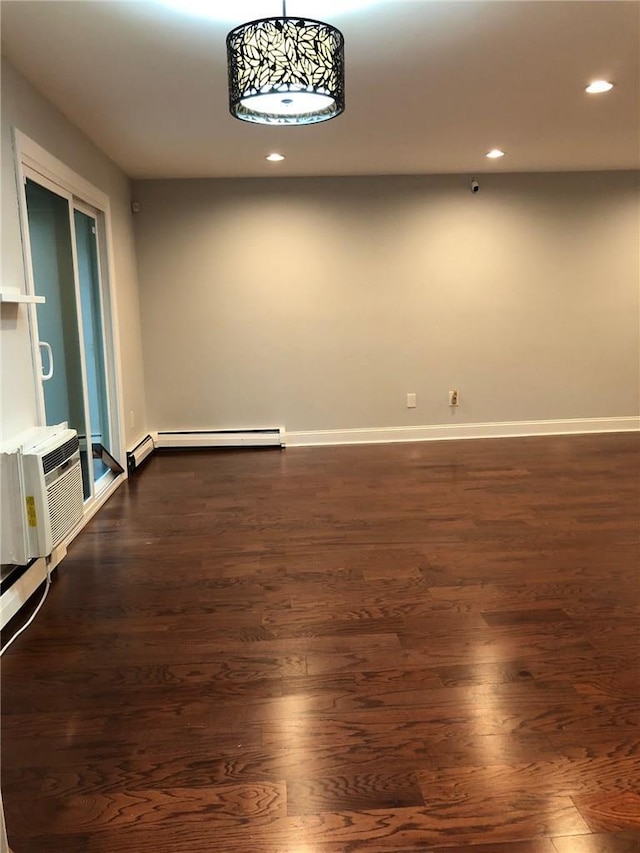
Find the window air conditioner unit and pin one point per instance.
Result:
(42, 497)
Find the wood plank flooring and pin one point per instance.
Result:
(413, 647)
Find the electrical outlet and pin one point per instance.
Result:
(411, 401)
(132, 419)
(454, 398)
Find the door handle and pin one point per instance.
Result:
(49, 374)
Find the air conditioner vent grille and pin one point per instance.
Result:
(60, 454)
(65, 500)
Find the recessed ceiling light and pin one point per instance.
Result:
(598, 87)
(495, 153)
(275, 158)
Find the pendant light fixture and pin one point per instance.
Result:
(285, 71)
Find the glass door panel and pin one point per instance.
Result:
(53, 275)
(93, 339)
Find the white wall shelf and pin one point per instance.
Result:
(21, 297)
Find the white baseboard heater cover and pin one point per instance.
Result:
(268, 437)
(140, 452)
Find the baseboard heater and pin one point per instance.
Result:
(140, 452)
(271, 437)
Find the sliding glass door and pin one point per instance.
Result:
(66, 269)
(86, 228)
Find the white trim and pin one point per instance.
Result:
(442, 432)
(60, 179)
(13, 297)
(111, 333)
(21, 591)
(82, 347)
(106, 324)
(48, 166)
(254, 437)
(36, 355)
(4, 841)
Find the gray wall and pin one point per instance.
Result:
(24, 108)
(319, 303)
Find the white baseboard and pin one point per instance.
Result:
(21, 591)
(443, 432)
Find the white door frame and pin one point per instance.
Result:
(34, 161)
(32, 175)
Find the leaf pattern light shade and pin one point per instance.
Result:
(286, 71)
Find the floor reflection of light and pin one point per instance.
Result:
(300, 740)
(492, 747)
(500, 759)
(71, 728)
(292, 714)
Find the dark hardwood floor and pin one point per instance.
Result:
(382, 648)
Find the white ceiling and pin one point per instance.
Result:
(431, 86)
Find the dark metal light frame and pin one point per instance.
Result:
(283, 58)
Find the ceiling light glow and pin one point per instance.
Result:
(275, 158)
(495, 154)
(247, 10)
(285, 71)
(597, 87)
